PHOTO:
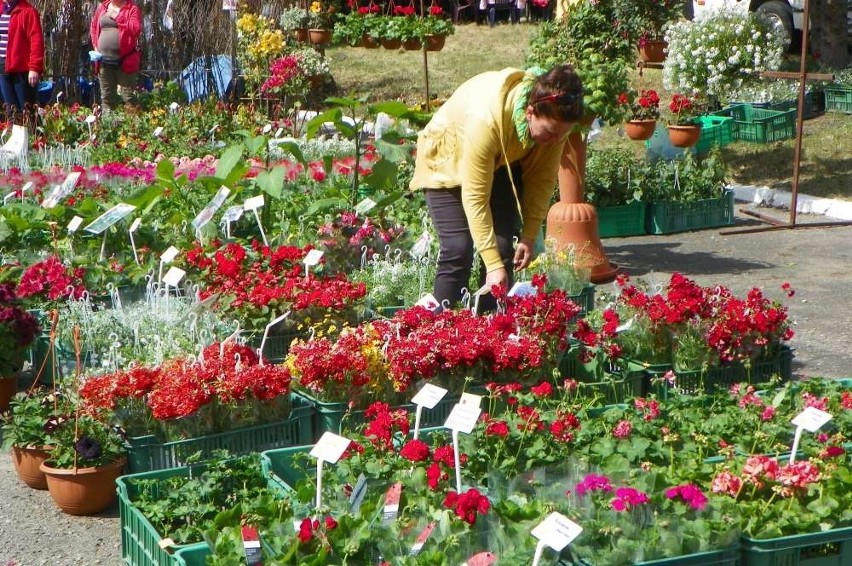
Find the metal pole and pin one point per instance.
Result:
(797, 154)
(425, 58)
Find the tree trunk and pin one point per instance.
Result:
(829, 38)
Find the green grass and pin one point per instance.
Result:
(826, 166)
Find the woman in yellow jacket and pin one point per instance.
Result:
(488, 158)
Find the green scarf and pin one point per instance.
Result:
(519, 113)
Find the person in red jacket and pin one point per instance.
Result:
(21, 53)
(115, 31)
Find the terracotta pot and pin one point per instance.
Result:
(8, 388)
(370, 42)
(573, 222)
(319, 36)
(391, 43)
(27, 461)
(316, 81)
(640, 129)
(412, 44)
(84, 491)
(435, 42)
(684, 136)
(301, 34)
(653, 51)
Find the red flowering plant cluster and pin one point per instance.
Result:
(259, 283)
(350, 241)
(777, 498)
(688, 326)
(684, 109)
(641, 105)
(47, 281)
(286, 78)
(225, 388)
(18, 330)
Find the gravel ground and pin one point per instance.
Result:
(816, 261)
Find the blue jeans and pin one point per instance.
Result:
(455, 260)
(16, 90)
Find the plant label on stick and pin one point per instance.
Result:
(557, 531)
(392, 497)
(27, 186)
(279, 132)
(427, 301)
(811, 419)
(421, 539)
(470, 399)
(253, 203)
(329, 448)
(463, 417)
(74, 224)
(91, 119)
(251, 546)
(166, 543)
(135, 226)
(481, 559)
(173, 276)
(266, 330)
(312, 258)
(206, 214)
(365, 206)
(12, 195)
(267, 128)
(110, 217)
(428, 396)
(169, 255)
(158, 131)
(174, 106)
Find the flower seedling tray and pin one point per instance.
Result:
(673, 217)
(715, 131)
(622, 220)
(147, 453)
(760, 125)
(335, 416)
(621, 385)
(724, 557)
(838, 99)
(691, 382)
(140, 542)
(585, 299)
(827, 548)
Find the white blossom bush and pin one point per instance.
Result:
(716, 55)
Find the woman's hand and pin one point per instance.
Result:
(32, 78)
(523, 254)
(497, 277)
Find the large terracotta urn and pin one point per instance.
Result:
(27, 461)
(572, 222)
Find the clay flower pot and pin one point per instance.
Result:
(640, 129)
(391, 43)
(28, 461)
(319, 36)
(412, 44)
(653, 51)
(435, 42)
(83, 491)
(370, 42)
(301, 34)
(684, 136)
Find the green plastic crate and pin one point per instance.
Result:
(585, 299)
(811, 106)
(838, 99)
(716, 131)
(622, 220)
(673, 217)
(692, 382)
(276, 347)
(146, 453)
(760, 125)
(194, 555)
(623, 384)
(140, 542)
(828, 548)
(725, 557)
(335, 416)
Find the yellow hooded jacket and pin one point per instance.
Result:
(468, 138)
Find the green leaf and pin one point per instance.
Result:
(293, 149)
(272, 182)
(313, 126)
(383, 175)
(227, 162)
(166, 171)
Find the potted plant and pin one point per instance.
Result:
(412, 32)
(612, 184)
(652, 17)
(391, 31)
(86, 458)
(684, 129)
(18, 330)
(436, 28)
(321, 17)
(294, 20)
(312, 64)
(27, 432)
(644, 111)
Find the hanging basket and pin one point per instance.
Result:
(319, 36)
(684, 136)
(301, 34)
(391, 43)
(435, 42)
(412, 44)
(653, 51)
(640, 130)
(370, 42)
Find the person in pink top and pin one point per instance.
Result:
(115, 30)
(21, 53)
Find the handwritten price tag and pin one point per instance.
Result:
(557, 531)
(429, 396)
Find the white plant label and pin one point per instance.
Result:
(110, 217)
(330, 447)
(427, 301)
(365, 206)
(278, 132)
(169, 255)
(158, 131)
(174, 106)
(313, 257)
(91, 119)
(557, 531)
(206, 214)
(429, 396)
(470, 399)
(522, 289)
(253, 203)
(74, 224)
(213, 129)
(135, 225)
(173, 276)
(28, 185)
(811, 419)
(267, 128)
(463, 418)
(233, 213)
